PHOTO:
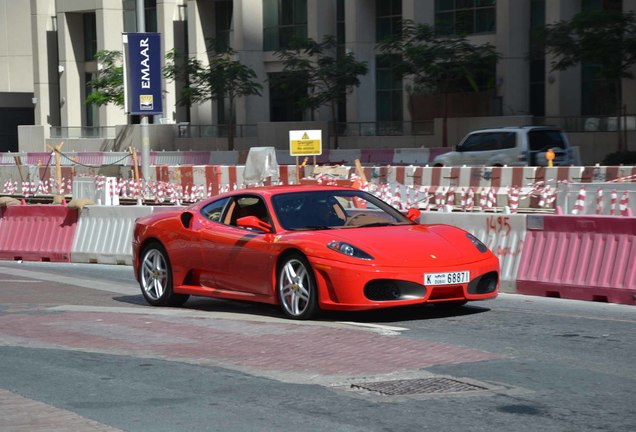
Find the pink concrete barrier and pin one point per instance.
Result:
(579, 257)
(37, 232)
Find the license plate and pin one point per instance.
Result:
(450, 278)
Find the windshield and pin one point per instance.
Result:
(542, 140)
(334, 209)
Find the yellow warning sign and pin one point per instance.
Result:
(305, 143)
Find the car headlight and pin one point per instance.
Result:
(349, 250)
(481, 247)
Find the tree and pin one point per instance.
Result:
(223, 77)
(605, 38)
(439, 64)
(327, 74)
(108, 84)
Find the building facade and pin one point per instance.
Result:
(65, 35)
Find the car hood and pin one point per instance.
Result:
(447, 157)
(409, 245)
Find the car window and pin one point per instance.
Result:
(506, 140)
(472, 143)
(246, 205)
(542, 140)
(214, 210)
(333, 210)
(488, 141)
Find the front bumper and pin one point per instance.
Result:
(344, 286)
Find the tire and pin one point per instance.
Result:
(296, 287)
(155, 277)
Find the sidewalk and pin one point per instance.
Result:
(19, 414)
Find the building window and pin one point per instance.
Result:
(340, 22)
(283, 21)
(150, 15)
(91, 111)
(598, 96)
(616, 5)
(388, 89)
(223, 21)
(537, 58)
(130, 15)
(90, 36)
(283, 101)
(464, 17)
(341, 39)
(388, 18)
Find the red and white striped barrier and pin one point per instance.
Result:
(579, 205)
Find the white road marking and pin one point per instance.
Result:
(21, 280)
(382, 329)
(69, 280)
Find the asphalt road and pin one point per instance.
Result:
(81, 351)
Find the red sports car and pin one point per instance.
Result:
(308, 248)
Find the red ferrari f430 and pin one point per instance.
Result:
(308, 248)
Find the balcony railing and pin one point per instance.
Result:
(215, 131)
(394, 128)
(353, 129)
(83, 132)
(589, 123)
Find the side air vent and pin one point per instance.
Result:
(186, 219)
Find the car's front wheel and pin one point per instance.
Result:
(155, 277)
(297, 288)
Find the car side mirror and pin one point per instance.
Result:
(413, 214)
(254, 223)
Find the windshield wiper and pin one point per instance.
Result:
(376, 224)
(312, 228)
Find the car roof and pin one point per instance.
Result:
(516, 128)
(279, 189)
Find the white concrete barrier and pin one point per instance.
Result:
(104, 234)
(503, 234)
(596, 202)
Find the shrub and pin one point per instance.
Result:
(620, 158)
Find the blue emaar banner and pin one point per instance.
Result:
(142, 73)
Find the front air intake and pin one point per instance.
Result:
(391, 290)
(484, 284)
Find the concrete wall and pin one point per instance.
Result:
(16, 60)
(592, 146)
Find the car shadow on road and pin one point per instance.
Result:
(388, 315)
(407, 313)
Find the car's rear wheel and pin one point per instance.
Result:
(155, 277)
(296, 286)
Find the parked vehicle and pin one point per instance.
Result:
(525, 145)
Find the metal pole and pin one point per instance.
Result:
(145, 136)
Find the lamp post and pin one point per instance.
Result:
(145, 138)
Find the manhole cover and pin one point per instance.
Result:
(417, 386)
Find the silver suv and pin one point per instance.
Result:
(525, 145)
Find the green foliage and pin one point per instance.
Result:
(221, 77)
(108, 84)
(620, 158)
(327, 74)
(438, 64)
(603, 37)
